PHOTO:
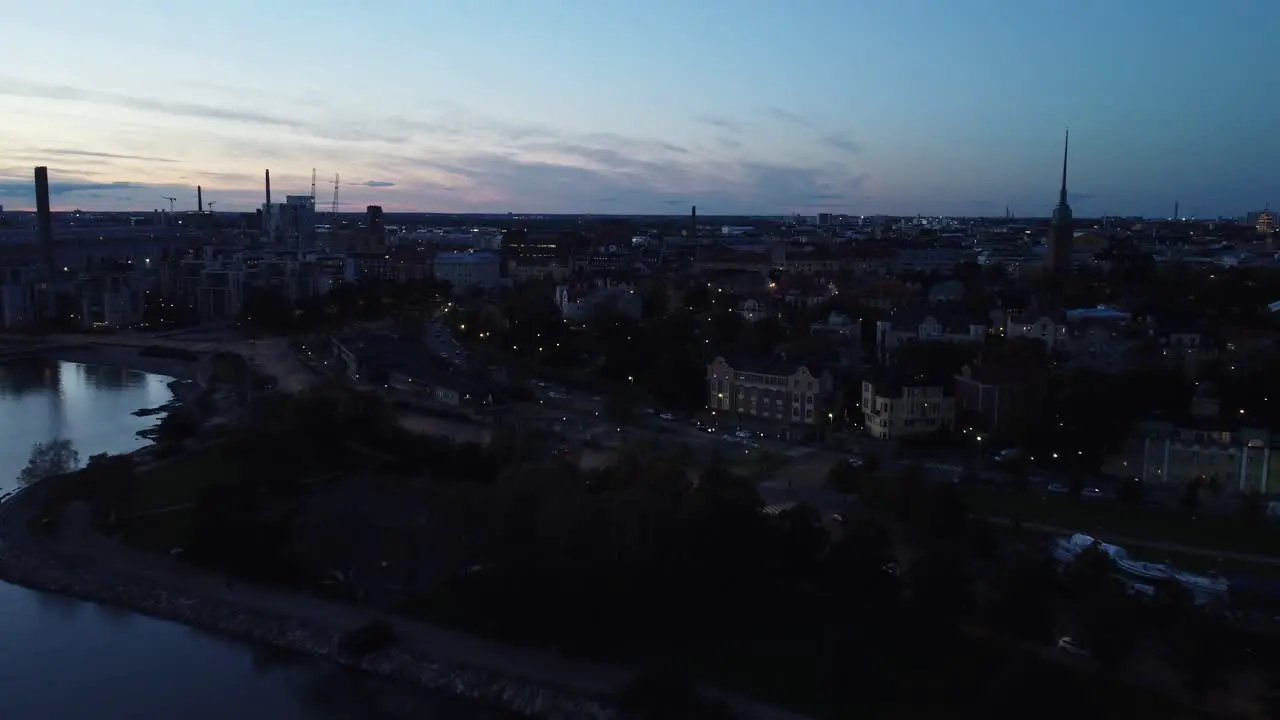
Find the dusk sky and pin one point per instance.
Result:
(646, 106)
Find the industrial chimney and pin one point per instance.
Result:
(44, 217)
(693, 222)
(199, 199)
(268, 187)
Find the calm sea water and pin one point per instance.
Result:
(63, 658)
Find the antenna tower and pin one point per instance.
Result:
(313, 187)
(334, 212)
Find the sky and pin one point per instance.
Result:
(933, 107)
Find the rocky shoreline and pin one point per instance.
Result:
(28, 561)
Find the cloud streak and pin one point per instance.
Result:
(457, 161)
(341, 131)
(66, 152)
(722, 123)
(843, 143)
(787, 116)
(25, 189)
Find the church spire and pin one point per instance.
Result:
(1066, 143)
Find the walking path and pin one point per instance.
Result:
(454, 661)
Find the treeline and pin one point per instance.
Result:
(910, 604)
(911, 601)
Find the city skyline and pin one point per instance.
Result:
(645, 108)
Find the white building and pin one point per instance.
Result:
(894, 408)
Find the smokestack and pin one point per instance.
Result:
(44, 217)
(1175, 209)
(199, 199)
(268, 187)
(693, 222)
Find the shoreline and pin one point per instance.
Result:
(35, 563)
(30, 562)
(129, 359)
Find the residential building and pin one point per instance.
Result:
(372, 265)
(896, 406)
(946, 291)
(1050, 329)
(1186, 347)
(409, 372)
(579, 300)
(18, 305)
(885, 293)
(803, 290)
(463, 270)
(789, 397)
(838, 324)
(1237, 456)
(998, 395)
(752, 309)
(411, 263)
(914, 325)
(932, 259)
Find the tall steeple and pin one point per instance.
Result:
(1066, 144)
(1061, 230)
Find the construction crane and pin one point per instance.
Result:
(211, 203)
(171, 202)
(336, 183)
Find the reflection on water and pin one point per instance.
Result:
(88, 404)
(62, 659)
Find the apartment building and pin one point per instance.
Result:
(18, 304)
(754, 309)
(1187, 348)
(579, 300)
(896, 406)
(215, 281)
(790, 397)
(1238, 457)
(908, 326)
(469, 269)
(839, 325)
(932, 259)
(998, 395)
(1049, 329)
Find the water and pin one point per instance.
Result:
(66, 659)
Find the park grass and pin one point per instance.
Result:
(180, 480)
(1104, 517)
(161, 531)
